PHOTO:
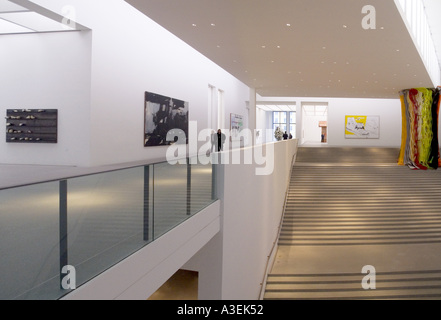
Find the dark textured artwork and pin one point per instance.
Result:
(164, 115)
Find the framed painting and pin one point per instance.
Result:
(163, 115)
(362, 127)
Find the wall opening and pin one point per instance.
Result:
(212, 107)
(221, 110)
(183, 285)
(314, 123)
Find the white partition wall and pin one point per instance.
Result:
(232, 266)
(97, 80)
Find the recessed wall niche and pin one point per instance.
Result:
(32, 126)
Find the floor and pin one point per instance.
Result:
(183, 285)
(354, 208)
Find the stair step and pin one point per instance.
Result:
(393, 285)
(358, 197)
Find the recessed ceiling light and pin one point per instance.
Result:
(278, 47)
(263, 47)
(213, 25)
(345, 26)
(194, 25)
(288, 24)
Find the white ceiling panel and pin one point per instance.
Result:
(277, 108)
(9, 27)
(299, 48)
(7, 6)
(33, 21)
(23, 16)
(433, 11)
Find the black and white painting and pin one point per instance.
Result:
(164, 115)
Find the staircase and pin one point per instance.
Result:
(389, 285)
(351, 207)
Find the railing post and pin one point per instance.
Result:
(213, 182)
(63, 229)
(146, 203)
(188, 187)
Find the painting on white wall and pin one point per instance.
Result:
(362, 127)
(164, 115)
(236, 126)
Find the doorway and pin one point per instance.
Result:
(314, 123)
(183, 285)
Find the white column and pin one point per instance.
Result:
(252, 115)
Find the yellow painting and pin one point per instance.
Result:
(362, 127)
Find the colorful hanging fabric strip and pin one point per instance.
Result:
(420, 128)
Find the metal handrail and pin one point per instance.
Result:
(90, 171)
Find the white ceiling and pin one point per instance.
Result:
(299, 48)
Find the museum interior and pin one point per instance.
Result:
(220, 150)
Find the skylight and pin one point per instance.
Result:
(22, 16)
(277, 107)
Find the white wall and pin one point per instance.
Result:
(48, 71)
(390, 121)
(389, 111)
(252, 211)
(127, 55)
(136, 56)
